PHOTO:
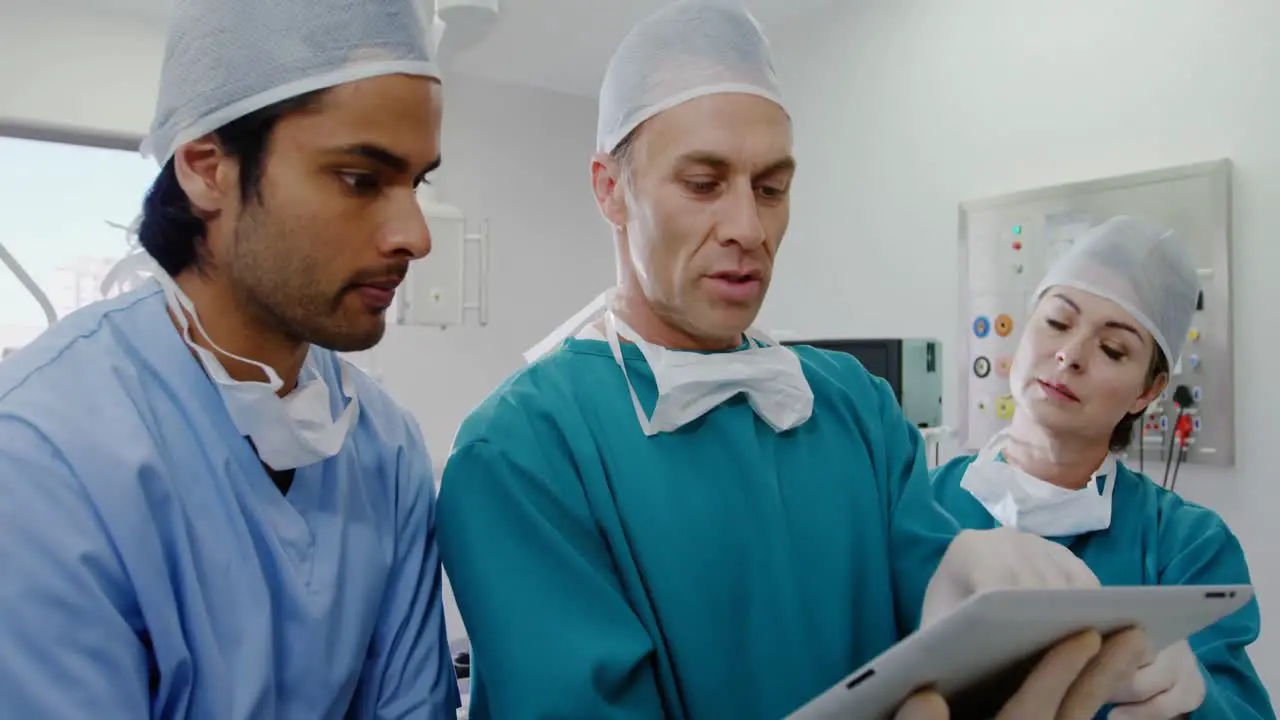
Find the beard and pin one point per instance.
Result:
(275, 273)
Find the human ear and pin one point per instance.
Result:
(607, 183)
(208, 176)
(1157, 386)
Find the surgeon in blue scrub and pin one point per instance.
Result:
(204, 511)
(1095, 353)
(669, 515)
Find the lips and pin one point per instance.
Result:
(1057, 391)
(737, 276)
(378, 293)
(736, 287)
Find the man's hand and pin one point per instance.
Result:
(1072, 682)
(981, 560)
(1170, 687)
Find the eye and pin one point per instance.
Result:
(1056, 325)
(360, 183)
(772, 193)
(701, 187)
(1113, 353)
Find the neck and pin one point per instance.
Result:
(238, 330)
(1066, 461)
(630, 304)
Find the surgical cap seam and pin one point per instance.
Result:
(245, 106)
(651, 111)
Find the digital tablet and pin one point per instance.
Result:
(979, 655)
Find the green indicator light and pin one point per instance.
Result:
(1017, 229)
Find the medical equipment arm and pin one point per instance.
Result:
(409, 671)
(69, 622)
(1201, 550)
(552, 634)
(50, 314)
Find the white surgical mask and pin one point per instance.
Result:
(1018, 500)
(690, 384)
(290, 432)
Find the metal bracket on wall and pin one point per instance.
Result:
(481, 241)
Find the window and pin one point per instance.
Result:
(57, 206)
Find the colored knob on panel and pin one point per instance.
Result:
(1004, 325)
(1017, 244)
(981, 326)
(982, 367)
(1004, 407)
(1193, 335)
(1003, 365)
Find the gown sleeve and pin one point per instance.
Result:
(1202, 550)
(409, 672)
(551, 631)
(68, 613)
(920, 530)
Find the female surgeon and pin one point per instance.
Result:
(1096, 351)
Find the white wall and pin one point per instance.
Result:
(904, 108)
(516, 156)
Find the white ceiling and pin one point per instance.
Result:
(560, 45)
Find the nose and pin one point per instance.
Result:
(1071, 355)
(405, 232)
(739, 220)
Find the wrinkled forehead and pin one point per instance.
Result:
(740, 130)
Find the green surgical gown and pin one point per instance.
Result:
(720, 571)
(1157, 538)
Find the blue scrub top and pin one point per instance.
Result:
(1157, 538)
(720, 571)
(149, 567)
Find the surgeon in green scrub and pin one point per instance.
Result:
(667, 514)
(1093, 356)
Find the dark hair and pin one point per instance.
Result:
(170, 230)
(1122, 435)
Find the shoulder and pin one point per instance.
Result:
(1166, 507)
(1191, 537)
(77, 385)
(543, 395)
(84, 344)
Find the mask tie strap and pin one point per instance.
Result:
(611, 327)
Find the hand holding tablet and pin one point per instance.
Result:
(1058, 654)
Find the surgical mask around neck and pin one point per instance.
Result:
(288, 432)
(690, 384)
(1018, 500)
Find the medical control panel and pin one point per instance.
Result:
(1008, 243)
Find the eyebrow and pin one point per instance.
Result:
(384, 157)
(1110, 323)
(722, 164)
